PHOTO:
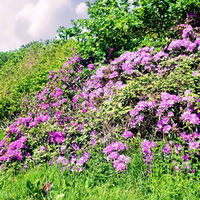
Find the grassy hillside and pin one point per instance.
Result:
(127, 127)
(29, 74)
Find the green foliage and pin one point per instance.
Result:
(178, 80)
(12, 57)
(30, 73)
(114, 24)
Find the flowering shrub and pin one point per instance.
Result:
(84, 107)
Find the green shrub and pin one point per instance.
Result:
(30, 74)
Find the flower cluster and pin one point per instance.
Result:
(60, 115)
(75, 163)
(14, 151)
(146, 147)
(119, 161)
(127, 134)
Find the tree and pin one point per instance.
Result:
(112, 24)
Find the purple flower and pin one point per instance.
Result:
(123, 158)
(193, 145)
(151, 104)
(194, 119)
(75, 100)
(84, 110)
(93, 133)
(186, 116)
(77, 169)
(187, 92)
(2, 143)
(114, 74)
(186, 137)
(63, 148)
(73, 160)
(76, 147)
(18, 155)
(170, 114)
(160, 125)
(177, 168)
(195, 73)
(4, 158)
(127, 134)
(178, 148)
(2, 152)
(186, 157)
(146, 147)
(159, 112)
(119, 166)
(165, 120)
(192, 171)
(113, 156)
(57, 136)
(139, 118)
(167, 149)
(117, 146)
(62, 160)
(192, 14)
(93, 142)
(196, 135)
(82, 160)
(134, 112)
(165, 96)
(167, 128)
(133, 124)
(51, 72)
(42, 148)
(141, 105)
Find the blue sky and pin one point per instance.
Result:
(24, 21)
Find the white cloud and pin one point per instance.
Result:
(24, 21)
(40, 16)
(81, 9)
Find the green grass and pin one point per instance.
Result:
(135, 183)
(1, 134)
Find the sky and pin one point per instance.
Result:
(24, 21)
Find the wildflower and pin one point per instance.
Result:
(170, 114)
(194, 119)
(123, 158)
(42, 148)
(167, 128)
(177, 168)
(139, 118)
(178, 148)
(84, 110)
(165, 120)
(93, 142)
(117, 146)
(167, 149)
(146, 147)
(195, 73)
(133, 112)
(133, 124)
(114, 155)
(151, 104)
(119, 167)
(193, 145)
(82, 160)
(127, 134)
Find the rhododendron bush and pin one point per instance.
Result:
(84, 107)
